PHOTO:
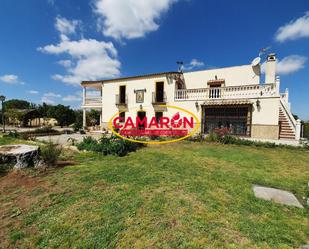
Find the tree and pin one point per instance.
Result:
(93, 117)
(43, 109)
(306, 130)
(63, 114)
(15, 116)
(17, 104)
(78, 120)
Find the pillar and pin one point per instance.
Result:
(278, 85)
(84, 95)
(84, 118)
(298, 129)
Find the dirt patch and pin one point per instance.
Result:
(18, 179)
(15, 199)
(62, 164)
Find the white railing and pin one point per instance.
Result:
(97, 101)
(288, 113)
(230, 92)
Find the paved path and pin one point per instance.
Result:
(281, 141)
(63, 139)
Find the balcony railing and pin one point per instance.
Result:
(93, 101)
(158, 98)
(230, 92)
(120, 100)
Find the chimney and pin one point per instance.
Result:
(270, 71)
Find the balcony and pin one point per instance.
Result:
(231, 92)
(93, 101)
(158, 98)
(121, 100)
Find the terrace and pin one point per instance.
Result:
(230, 92)
(92, 95)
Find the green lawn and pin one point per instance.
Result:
(185, 195)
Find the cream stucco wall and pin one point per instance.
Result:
(266, 115)
(233, 76)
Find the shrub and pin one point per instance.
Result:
(229, 139)
(50, 153)
(197, 138)
(12, 134)
(109, 145)
(77, 127)
(306, 130)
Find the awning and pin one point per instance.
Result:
(227, 102)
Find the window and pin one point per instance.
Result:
(159, 92)
(122, 117)
(159, 115)
(122, 96)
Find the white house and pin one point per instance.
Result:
(232, 97)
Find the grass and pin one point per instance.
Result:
(185, 195)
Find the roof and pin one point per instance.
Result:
(129, 78)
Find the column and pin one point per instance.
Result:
(298, 129)
(278, 84)
(84, 118)
(84, 95)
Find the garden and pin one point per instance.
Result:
(192, 194)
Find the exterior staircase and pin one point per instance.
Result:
(286, 129)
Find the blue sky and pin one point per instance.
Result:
(48, 46)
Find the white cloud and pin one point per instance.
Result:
(295, 29)
(51, 2)
(194, 64)
(289, 64)
(66, 27)
(47, 100)
(72, 98)
(50, 97)
(34, 92)
(129, 18)
(53, 95)
(89, 59)
(11, 79)
(65, 63)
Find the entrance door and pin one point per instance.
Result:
(235, 118)
(159, 92)
(141, 116)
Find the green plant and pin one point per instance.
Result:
(50, 153)
(196, 138)
(12, 134)
(306, 130)
(72, 140)
(109, 145)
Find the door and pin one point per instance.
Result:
(141, 116)
(160, 92)
(235, 118)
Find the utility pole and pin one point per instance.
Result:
(2, 99)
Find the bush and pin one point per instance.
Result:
(229, 139)
(109, 145)
(12, 134)
(76, 127)
(50, 153)
(306, 130)
(197, 138)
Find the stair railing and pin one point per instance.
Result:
(288, 114)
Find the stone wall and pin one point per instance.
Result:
(265, 131)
